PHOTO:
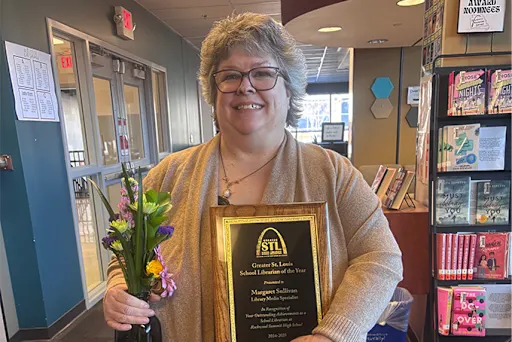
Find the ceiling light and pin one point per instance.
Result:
(377, 41)
(329, 29)
(406, 3)
(57, 41)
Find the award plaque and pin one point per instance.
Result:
(272, 271)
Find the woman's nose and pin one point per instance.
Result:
(246, 86)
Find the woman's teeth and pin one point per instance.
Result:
(251, 106)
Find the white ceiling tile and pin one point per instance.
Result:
(193, 12)
(162, 4)
(264, 8)
(192, 27)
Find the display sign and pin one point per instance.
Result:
(333, 131)
(124, 22)
(479, 16)
(66, 62)
(32, 83)
(413, 96)
(270, 270)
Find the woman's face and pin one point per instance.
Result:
(249, 111)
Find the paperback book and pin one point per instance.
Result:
(468, 92)
(444, 308)
(491, 256)
(469, 309)
(500, 91)
(452, 204)
(462, 147)
(493, 202)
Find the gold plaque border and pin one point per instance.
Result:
(227, 222)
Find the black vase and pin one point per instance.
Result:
(151, 332)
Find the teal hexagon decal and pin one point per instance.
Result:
(382, 87)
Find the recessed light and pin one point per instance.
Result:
(406, 3)
(57, 41)
(329, 29)
(377, 41)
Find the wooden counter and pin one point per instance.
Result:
(411, 230)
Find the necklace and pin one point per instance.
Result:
(227, 191)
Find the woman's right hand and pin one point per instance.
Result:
(122, 309)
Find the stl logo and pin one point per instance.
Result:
(271, 244)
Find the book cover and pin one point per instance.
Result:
(378, 178)
(440, 150)
(386, 182)
(462, 143)
(452, 202)
(441, 254)
(451, 82)
(493, 202)
(446, 149)
(469, 92)
(465, 258)
(473, 198)
(395, 187)
(491, 148)
(455, 257)
(469, 311)
(448, 258)
(498, 313)
(397, 202)
(472, 250)
(491, 255)
(444, 309)
(500, 91)
(460, 256)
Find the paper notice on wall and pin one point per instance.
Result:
(32, 83)
(492, 148)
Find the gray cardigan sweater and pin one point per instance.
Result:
(366, 260)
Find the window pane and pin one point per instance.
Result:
(71, 106)
(132, 105)
(114, 196)
(87, 228)
(105, 113)
(160, 122)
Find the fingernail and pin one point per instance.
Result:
(146, 321)
(146, 306)
(151, 313)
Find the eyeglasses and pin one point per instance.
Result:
(261, 79)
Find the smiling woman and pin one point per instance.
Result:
(254, 76)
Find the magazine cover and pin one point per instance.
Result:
(493, 202)
(500, 92)
(462, 147)
(468, 317)
(452, 203)
(469, 93)
(491, 256)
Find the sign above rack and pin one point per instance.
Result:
(481, 16)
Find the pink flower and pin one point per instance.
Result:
(168, 283)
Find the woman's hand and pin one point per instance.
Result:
(122, 309)
(312, 338)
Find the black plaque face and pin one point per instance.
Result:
(274, 287)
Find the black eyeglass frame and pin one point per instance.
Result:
(244, 74)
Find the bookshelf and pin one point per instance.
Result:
(439, 119)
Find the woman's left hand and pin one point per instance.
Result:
(312, 338)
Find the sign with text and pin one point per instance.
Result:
(333, 131)
(481, 16)
(124, 23)
(413, 95)
(32, 83)
(269, 271)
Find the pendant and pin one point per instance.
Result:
(227, 193)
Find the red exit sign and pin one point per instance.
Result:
(124, 22)
(66, 62)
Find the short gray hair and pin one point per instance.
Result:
(257, 34)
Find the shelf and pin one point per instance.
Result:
(491, 335)
(473, 282)
(473, 228)
(480, 175)
(473, 118)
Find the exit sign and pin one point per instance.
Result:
(66, 62)
(124, 22)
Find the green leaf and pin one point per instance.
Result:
(139, 254)
(163, 197)
(111, 212)
(158, 220)
(152, 196)
(131, 279)
(162, 210)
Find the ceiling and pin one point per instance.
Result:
(193, 19)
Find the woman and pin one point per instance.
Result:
(255, 77)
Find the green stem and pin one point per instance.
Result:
(138, 235)
(123, 268)
(128, 259)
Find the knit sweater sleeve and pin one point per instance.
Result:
(374, 260)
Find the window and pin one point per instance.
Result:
(323, 108)
(161, 118)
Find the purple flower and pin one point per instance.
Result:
(107, 241)
(166, 230)
(168, 283)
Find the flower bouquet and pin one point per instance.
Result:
(134, 236)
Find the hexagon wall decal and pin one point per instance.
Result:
(412, 117)
(382, 87)
(381, 108)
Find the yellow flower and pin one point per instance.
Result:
(155, 267)
(147, 207)
(120, 225)
(116, 245)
